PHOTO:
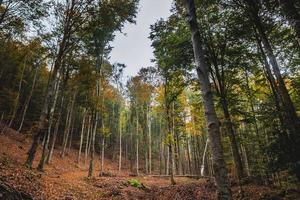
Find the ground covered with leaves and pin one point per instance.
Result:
(65, 179)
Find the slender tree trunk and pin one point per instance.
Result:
(170, 137)
(91, 166)
(203, 171)
(221, 178)
(68, 126)
(120, 143)
(272, 81)
(171, 152)
(232, 136)
(200, 148)
(146, 161)
(137, 156)
(137, 143)
(16, 102)
(293, 124)
(188, 154)
(102, 156)
(176, 143)
(251, 101)
(55, 131)
(66, 131)
(48, 134)
(291, 120)
(131, 147)
(1, 118)
(26, 105)
(160, 157)
(150, 143)
(81, 135)
(171, 163)
(90, 140)
(220, 86)
(245, 156)
(49, 95)
(167, 164)
(160, 148)
(292, 13)
(87, 139)
(98, 87)
(194, 155)
(72, 132)
(126, 151)
(43, 119)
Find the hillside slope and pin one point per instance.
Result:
(64, 179)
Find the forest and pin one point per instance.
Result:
(216, 116)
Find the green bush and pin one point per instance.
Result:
(134, 183)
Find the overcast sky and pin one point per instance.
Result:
(134, 48)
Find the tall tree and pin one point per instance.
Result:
(70, 22)
(221, 177)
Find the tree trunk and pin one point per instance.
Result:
(131, 146)
(27, 102)
(91, 166)
(137, 156)
(66, 131)
(72, 132)
(170, 137)
(245, 156)
(167, 162)
(291, 12)
(171, 152)
(194, 155)
(102, 157)
(55, 131)
(68, 126)
(160, 148)
(188, 155)
(137, 143)
(48, 134)
(146, 160)
(293, 124)
(231, 133)
(46, 106)
(90, 140)
(1, 119)
(203, 171)
(176, 143)
(150, 143)
(81, 135)
(87, 139)
(271, 79)
(221, 178)
(120, 143)
(16, 102)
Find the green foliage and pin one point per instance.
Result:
(164, 99)
(134, 183)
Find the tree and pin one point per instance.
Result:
(71, 21)
(211, 117)
(16, 16)
(289, 9)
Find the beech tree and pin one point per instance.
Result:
(221, 100)
(211, 117)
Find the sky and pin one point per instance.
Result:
(134, 49)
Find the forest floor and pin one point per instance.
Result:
(65, 179)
